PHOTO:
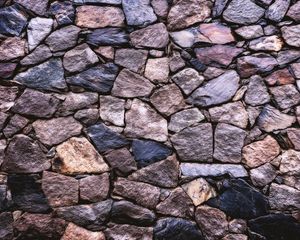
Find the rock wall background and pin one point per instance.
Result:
(139, 119)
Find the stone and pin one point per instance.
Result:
(11, 48)
(194, 143)
(113, 2)
(271, 119)
(13, 14)
(290, 162)
(280, 77)
(199, 66)
(269, 43)
(186, 13)
(36, 78)
(144, 16)
(232, 113)
(263, 175)
(261, 152)
(143, 121)
(90, 216)
(38, 55)
(216, 33)
(294, 12)
(112, 109)
(287, 56)
(39, 7)
(237, 226)
(296, 69)
(255, 64)
(56, 130)
(94, 188)
(6, 223)
(87, 116)
(60, 190)
(160, 7)
(157, 69)
(74, 232)
(78, 156)
(250, 32)
(282, 197)
(2, 151)
(119, 231)
(7, 69)
(277, 10)
(127, 212)
(294, 136)
(38, 29)
(143, 194)
(79, 58)
(63, 12)
(219, 54)
(129, 84)
(243, 12)
(99, 17)
(218, 8)
(235, 237)
(3, 120)
(108, 36)
(24, 155)
(131, 59)
(104, 138)
(153, 36)
(164, 173)
(176, 62)
(212, 222)
(285, 96)
(199, 190)
(106, 52)
(176, 204)
(188, 80)
(239, 200)
(257, 92)
(216, 91)
(63, 38)
(188, 37)
(291, 35)
(15, 125)
(7, 97)
(176, 229)
(97, 79)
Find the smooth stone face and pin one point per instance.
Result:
(153, 36)
(36, 78)
(157, 69)
(263, 175)
(16, 124)
(216, 33)
(39, 54)
(290, 162)
(131, 59)
(129, 84)
(12, 48)
(63, 12)
(294, 11)
(119, 231)
(107, 36)
(97, 79)
(285, 96)
(112, 110)
(280, 77)
(24, 155)
(194, 143)
(257, 92)
(216, 91)
(277, 10)
(270, 43)
(56, 130)
(290, 35)
(250, 32)
(99, 17)
(294, 137)
(37, 6)
(75, 232)
(60, 190)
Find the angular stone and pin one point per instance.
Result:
(216, 91)
(129, 84)
(287, 56)
(294, 12)
(277, 10)
(271, 119)
(6, 223)
(194, 143)
(94, 188)
(257, 92)
(60, 190)
(23, 155)
(7, 97)
(250, 32)
(3, 120)
(176, 62)
(47, 76)
(63, 38)
(294, 137)
(97, 79)
(37, 6)
(7, 69)
(185, 13)
(39, 54)
(163, 174)
(235, 237)
(237, 226)
(63, 12)
(15, 125)
(290, 162)
(144, 15)
(243, 12)
(157, 69)
(188, 37)
(106, 51)
(216, 33)
(153, 36)
(108, 36)
(112, 110)
(291, 35)
(78, 156)
(113, 2)
(38, 29)
(2, 151)
(79, 58)
(280, 77)
(131, 59)
(119, 231)
(263, 175)
(285, 96)
(218, 8)
(74, 232)
(87, 116)
(161, 7)
(269, 43)
(12, 48)
(143, 194)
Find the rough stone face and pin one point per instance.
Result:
(74, 232)
(131, 59)
(285, 96)
(129, 84)
(23, 155)
(290, 162)
(160, 7)
(119, 231)
(63, 12)
(294, 136)
(15, 125)
(294, 11)
(157, 69)
(7, 69)
(250, 32)
(87, 116)
(257, 92)
(216, 33)
(56, 130)
(108, 36)
(291, 35)
(37, 6)
(270, 43)
(78, 156)
(262, 175)
(112, 110)
(12, 48)
(99, 17)
(60, 190)
(6, 223)
(39, 54)
(280, 77)
(7, 97)
(277, 10)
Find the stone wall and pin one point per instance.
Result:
(140, 120)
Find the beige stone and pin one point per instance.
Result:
(12, 48)
(157, 69)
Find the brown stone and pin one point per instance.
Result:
(12, 48)
(216, 33)
(157, 69)
(131, 59)
(285, 96)
(74, 232)
(294, 137)
(290, 162)
(280, 77)
(118, 231)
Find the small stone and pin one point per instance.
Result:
(153, 36)
(7, 97)
(216, 91)
(112, 110)
(7, 69)
(294, 137)
(176, 62)
(99, 17)
(157, 70)
(291, 35)
(237, 226)
(119, 231)
(199, 66)
(216, 33)
(131, 59)
(294, 12)
(296, 69)
(270, 43)
(160, 7)
(15, 125)
(285, 96)
(12, 48)
(63, 38)
(37, 6)
(94, 188)
(79, 58)
(39, 54)
(60, 190)
(38, 29)
(87, 116)
(24, 155)
(63, 11)
(290, 160)
(188, 80)
(261, 152)
(2, 151)
(250, 32)
(108, 36)
(144, 16)
(263, 175)
(243, 12)
(74, 232)
(277, 10)
(257, 92)
(6, 223)
(188, 37)
(280, 77)
(106, 52)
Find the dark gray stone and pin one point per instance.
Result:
(40, 54)
(64, 12)
(6, 226)
(108, 36)
(15, 125)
